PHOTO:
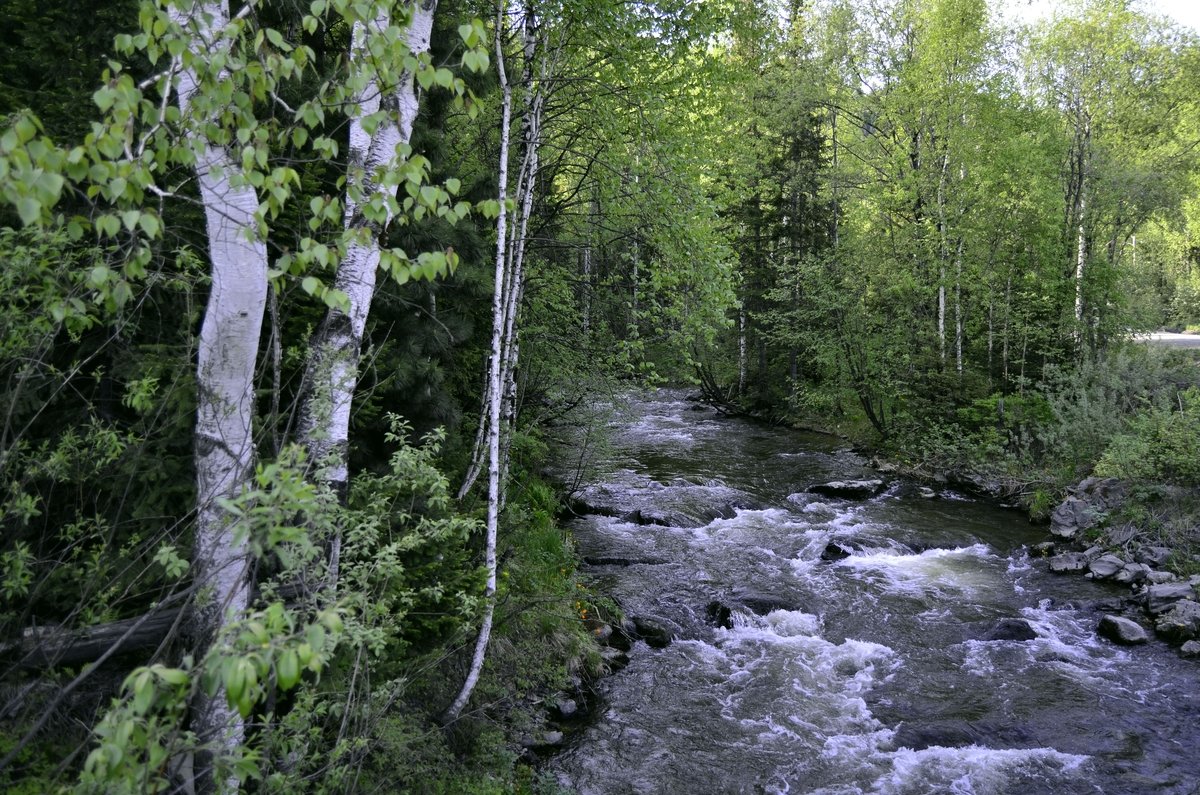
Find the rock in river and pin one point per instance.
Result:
(655, 633)
(1011, 629)
(1105, 566)
(848, 488)
(1122, 631)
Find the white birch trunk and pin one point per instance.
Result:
(331, 377)
(494, 394)
(958, 314)
(741, 350)
(227, 353)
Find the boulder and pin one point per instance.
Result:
(1104, 493)
(848, 488)
(1153, 556)
(1159, 577)
(1105, 566)
(1011, 629)
(1071, 516)
(836, 551)
(1068, 562)
(1161, 598)
(1190, 649)
(1181, 623)
(1132, 574)
(656, 634)
(1122, 631)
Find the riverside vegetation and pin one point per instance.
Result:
(302, 299)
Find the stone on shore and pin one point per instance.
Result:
(1161, 598)
(1105, 566)
(1068, 562)
(1181, 624)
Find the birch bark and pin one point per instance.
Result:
(332, 373)
(493, 394)
(228, 349)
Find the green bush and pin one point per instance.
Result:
(1162, 445)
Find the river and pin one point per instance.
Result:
(868, 674)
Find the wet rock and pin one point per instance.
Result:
(1122, 631)
(1190, 649)
(566, 708)
(836, 551)
(1105, 566)
(613, 659)
(1153, 556)
(1091, 553)
(1068, 562)
(1043, 550)
(1160, 577)
(1132, 574)
(1181, 623)
(656, 634)
(1161, 598)
(1017, 629)
(926, 493)
(582, 507)
(763, 603)
(920, 736)
(719, 615)
(647, 518)
(848, 488)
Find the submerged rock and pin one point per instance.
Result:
(836, 551)
(719, 615)
(1122, 631)
(1017, 629)
(1181, 624)
(848, 488)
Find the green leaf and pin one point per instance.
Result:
(310, 284)
(30, 210)
(287, 669)
(453, 185)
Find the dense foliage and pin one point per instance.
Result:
(907, 220)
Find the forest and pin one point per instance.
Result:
(308, 307)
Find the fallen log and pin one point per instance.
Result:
(49, 646)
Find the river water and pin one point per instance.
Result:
(867, 674)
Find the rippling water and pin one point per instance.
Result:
(863, 675)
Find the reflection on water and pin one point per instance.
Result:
(867, 674)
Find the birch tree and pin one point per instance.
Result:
(227, 352)
(384, 62)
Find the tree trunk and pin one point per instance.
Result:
(494, 395)
(331, 377)
(228, 350)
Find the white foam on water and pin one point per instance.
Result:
(935, 571)
(789, 623)
(973, 770)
